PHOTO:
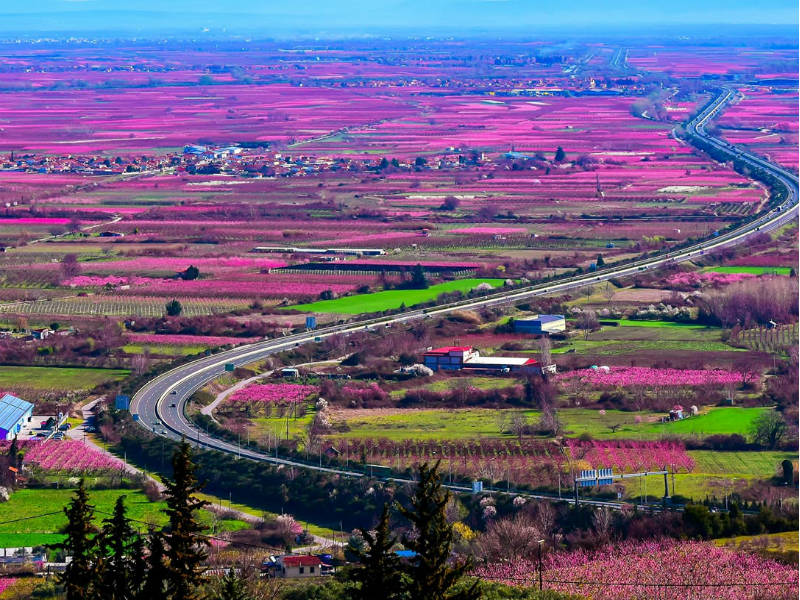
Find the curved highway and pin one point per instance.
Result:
(160, 403)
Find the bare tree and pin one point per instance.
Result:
(544, 345)
(587, 321)
(601, 521)
(70, 266)
(519, 425)
(510, 539)
(609, 291)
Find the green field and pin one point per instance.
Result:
(28, 504)
(786, 540)
(752, 270)
(659, 324)
(33, 524)
(480, 422)
(391, 299)
(58, 377)
(715, 472)
(648, 336)
(163, 349)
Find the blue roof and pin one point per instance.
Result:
(405, 553)
(541, 319)
(12, 409)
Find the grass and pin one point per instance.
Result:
(392, 299)
(262, 514)
(270, 425)
(29, 504)
(163, 349)
(716, 471)
(786, 540)
(659, 324)
(58, 377)
(648, 336)
(751, 270)
(481, 422)
(30, 528)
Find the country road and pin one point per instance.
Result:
(160, 403)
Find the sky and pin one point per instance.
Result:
(374, 16)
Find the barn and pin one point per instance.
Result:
(541, 324)
(13, 414)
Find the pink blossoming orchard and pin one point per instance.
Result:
(162, 202)
(656, 569)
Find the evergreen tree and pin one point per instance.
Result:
(600, 262)
(173, 308)
(155, 581)
(115, 578)
(432, 575)
(232, 587)
(418, 280)
(560, 155)
(79, 544)
(138, 564)
(380, 573)
(185, 547)
(190, 273)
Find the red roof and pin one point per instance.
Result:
(301, 561)
(448, 349)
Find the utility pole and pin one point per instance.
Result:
(540, 542)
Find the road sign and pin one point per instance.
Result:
(230, 367)
(311, 322)
(135, 416)
(477, 487)
(122, 402)
(593, 477)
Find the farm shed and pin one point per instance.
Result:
(541, 324)
(503, 364)
(448, 358)
(13, 413)
(456, 358)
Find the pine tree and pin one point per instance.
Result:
(138, 564)
(155, 581)
(432, 576)
(418, 280)
(79, 544)
(185, 547)
(380, 573)
(232, 587)
(115, 578)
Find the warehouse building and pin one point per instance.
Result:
(457, 358)
(541, 324)
(13, 414)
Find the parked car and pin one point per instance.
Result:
(65, 427)
(58, 436)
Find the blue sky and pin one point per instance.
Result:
(331, 15)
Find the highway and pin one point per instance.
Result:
(160, 403)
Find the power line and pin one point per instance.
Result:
(28, 518)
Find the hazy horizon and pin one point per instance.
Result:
(445, 17)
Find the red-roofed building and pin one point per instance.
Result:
(456, 358)
(449, 358)
(299, 566)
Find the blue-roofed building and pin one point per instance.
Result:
(541, 324)
(13, 414)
